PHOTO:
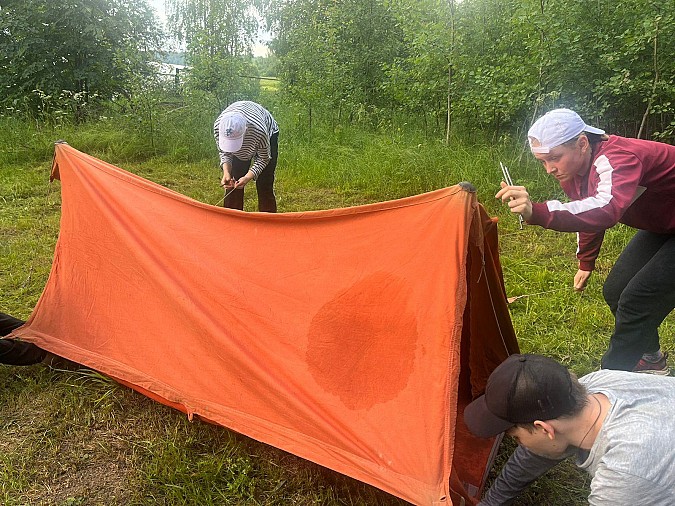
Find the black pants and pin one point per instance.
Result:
(640, 291)
(13, 352)
(267, 201)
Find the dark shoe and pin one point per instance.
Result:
(659, 367)
(18, 352)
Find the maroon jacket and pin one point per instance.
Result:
(631, 181)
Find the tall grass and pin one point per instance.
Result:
(74, 438)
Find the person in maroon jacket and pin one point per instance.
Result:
(611, 179)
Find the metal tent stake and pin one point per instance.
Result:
(509, 181)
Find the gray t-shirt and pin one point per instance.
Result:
(632, 460)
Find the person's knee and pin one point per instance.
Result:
(611, 295)
(637, 303)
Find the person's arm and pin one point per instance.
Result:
(616, 189)
(589, 244)
(262, 157)
(588, 248)
(241, 182)
(522, 468)
(226, 179)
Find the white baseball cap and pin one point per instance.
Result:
(231, 131)
(555, 128)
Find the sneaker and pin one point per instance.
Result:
(659, 367)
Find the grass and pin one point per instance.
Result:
(77, 438)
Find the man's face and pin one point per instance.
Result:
(538, 442)
(566, 161)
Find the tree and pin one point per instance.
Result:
(218, 35)
(421, 78)
(81, 46)
(333, 53)
(220, 80)
(215, 27)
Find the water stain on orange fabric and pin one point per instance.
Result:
(373, 361)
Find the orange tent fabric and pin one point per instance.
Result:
(350, 337)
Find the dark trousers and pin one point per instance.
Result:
(267, 201)
(13, 352)
(640, 291)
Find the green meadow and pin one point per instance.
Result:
(77, 438)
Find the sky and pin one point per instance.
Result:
(158, 5)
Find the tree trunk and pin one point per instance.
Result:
(449, 121)
(450, 71)
(656, 80)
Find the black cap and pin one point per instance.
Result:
(522, 389)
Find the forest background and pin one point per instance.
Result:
(376, 99)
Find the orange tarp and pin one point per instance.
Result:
(350, 337)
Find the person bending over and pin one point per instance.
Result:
(247, 138)
(618, 425)
(611, 179)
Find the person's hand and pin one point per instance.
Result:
(517, 198)
(581, 280)
(226, 181)
(241, 182)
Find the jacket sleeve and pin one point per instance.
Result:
(589, 244)
(262, 156)
(522, 468)
(617, 174)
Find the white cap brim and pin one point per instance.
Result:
(230, 145)
(593, 130)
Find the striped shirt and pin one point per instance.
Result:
(260, 126)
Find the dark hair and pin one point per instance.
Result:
(595, 138)
(579, 397)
